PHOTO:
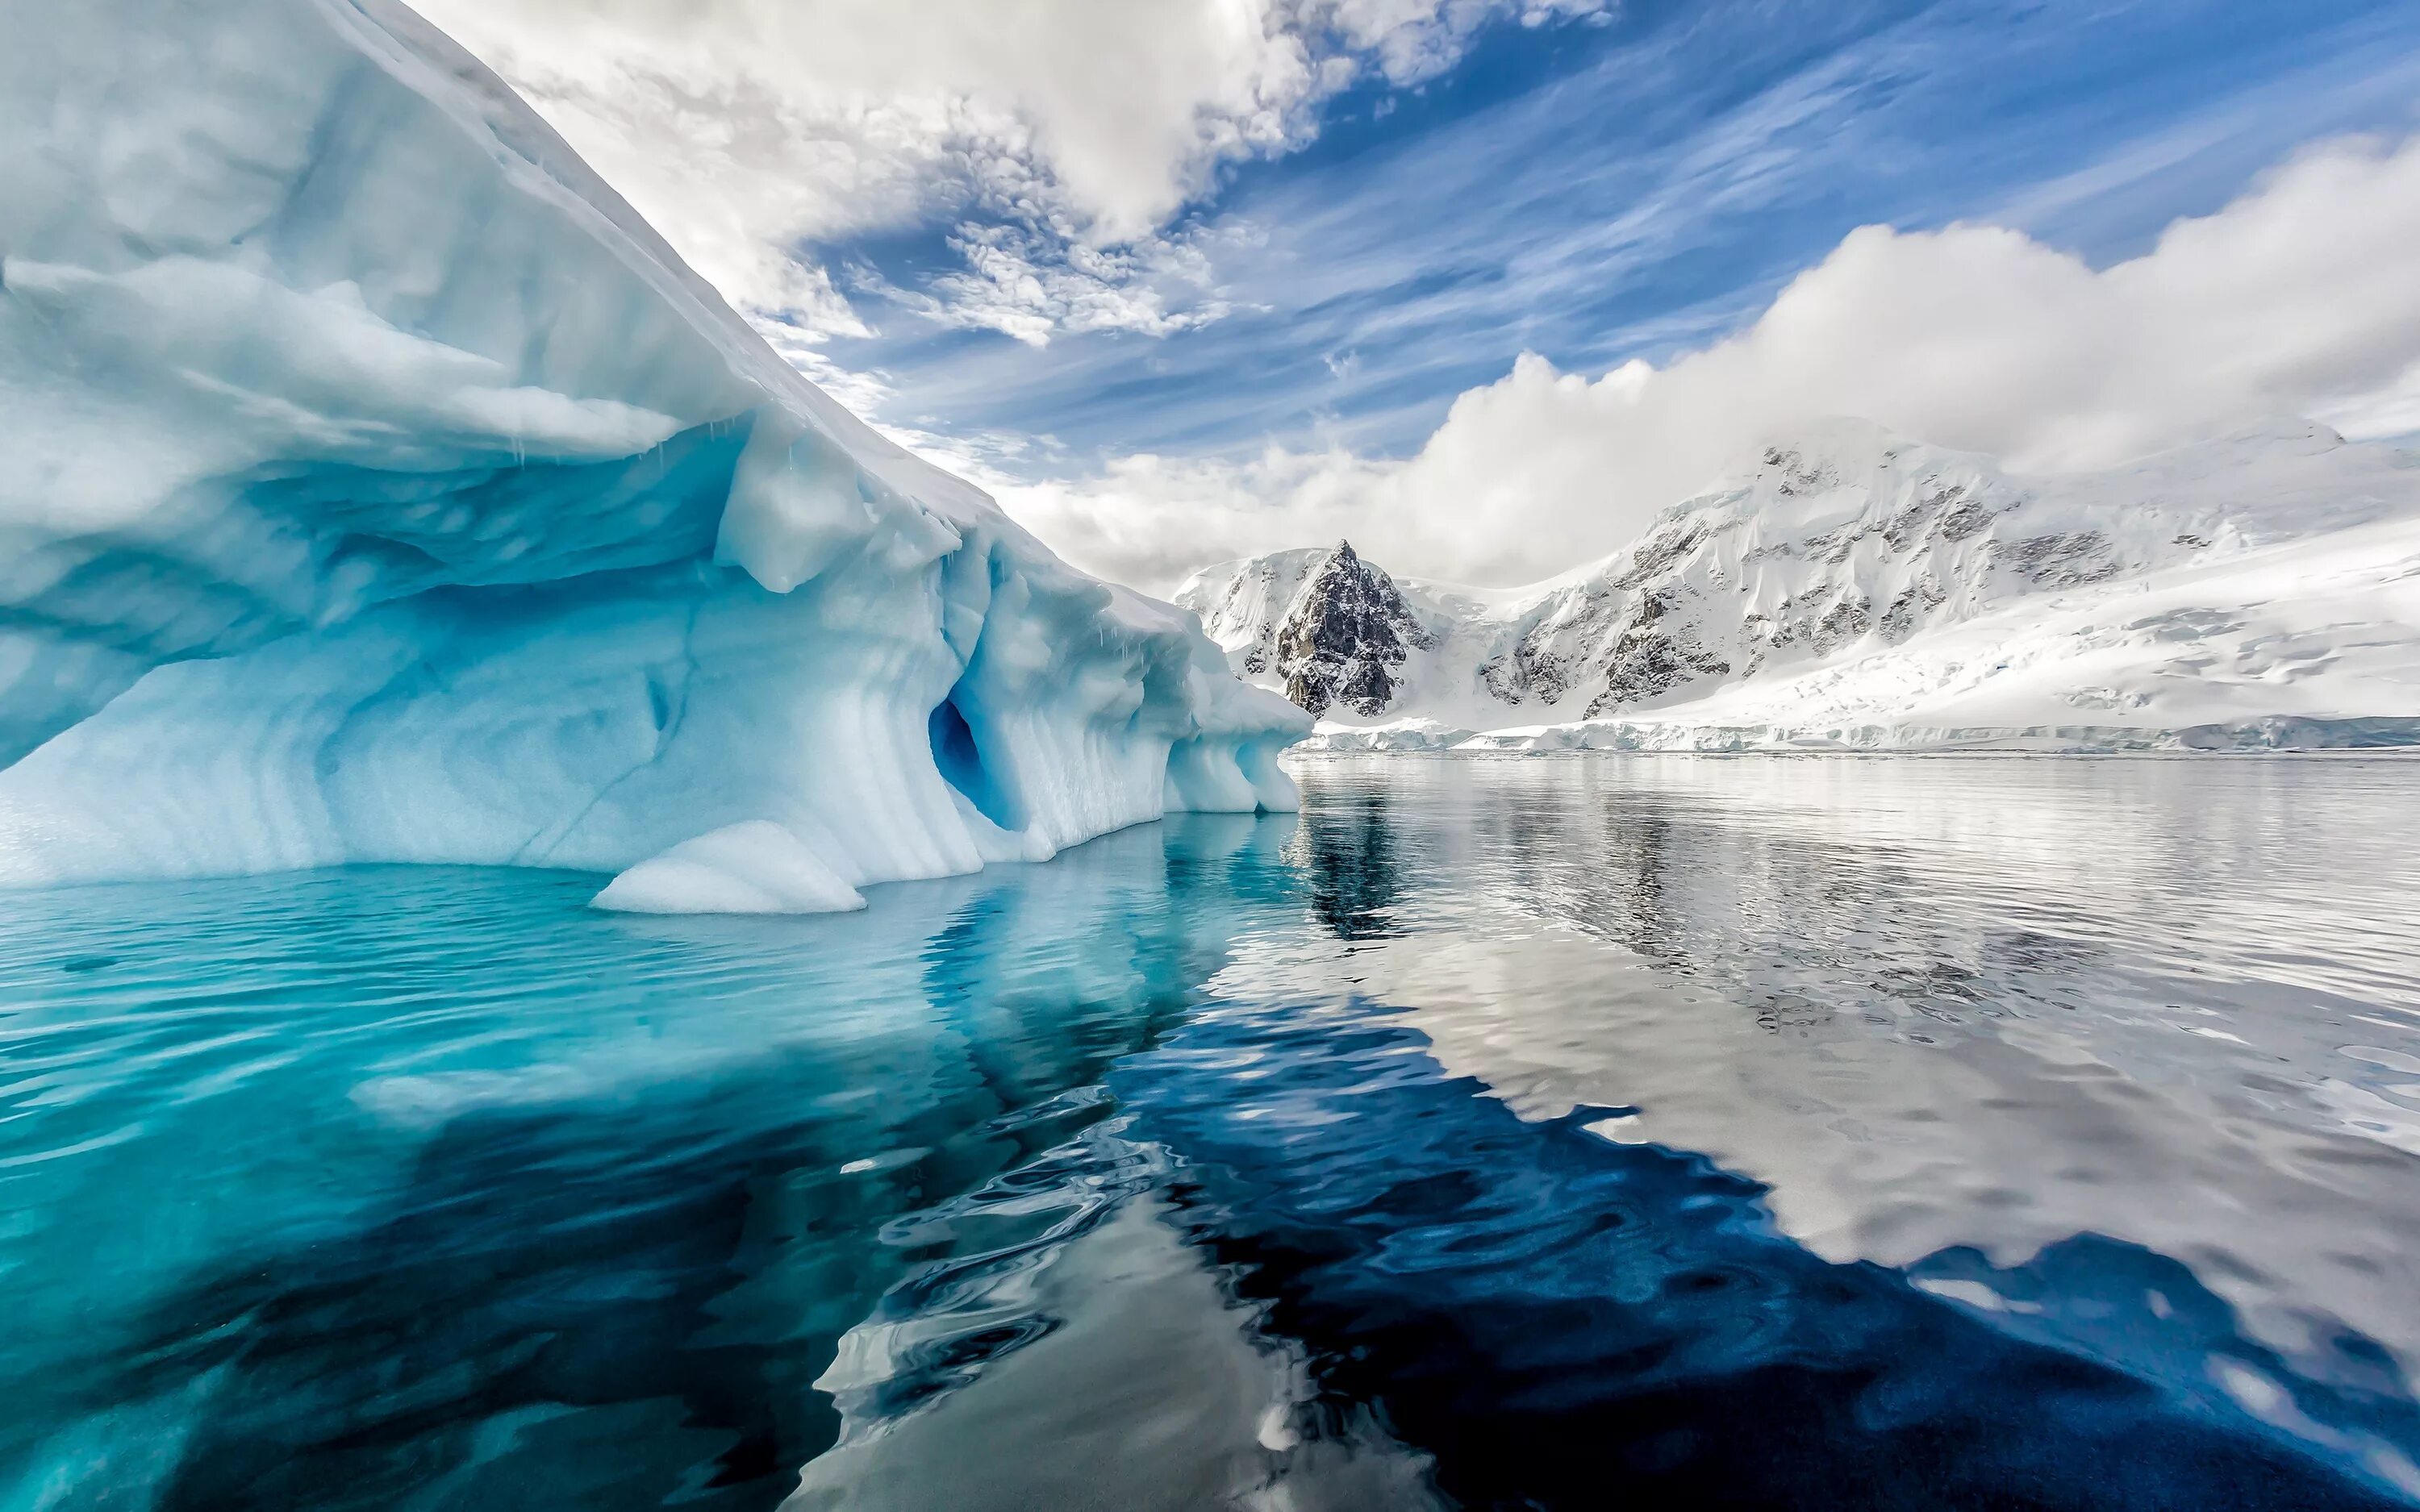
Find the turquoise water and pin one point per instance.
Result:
(1635, 1132)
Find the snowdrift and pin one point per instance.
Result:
(382, 488)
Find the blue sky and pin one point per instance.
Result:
(1595, 192)
(1486, 283)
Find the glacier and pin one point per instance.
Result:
(1846, 588)
(382, 488)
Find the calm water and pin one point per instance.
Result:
(1618, 1131)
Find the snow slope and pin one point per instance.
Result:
(382, 488)
(1853, 588)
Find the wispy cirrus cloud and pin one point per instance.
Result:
(1053, 141)
(1658, 192)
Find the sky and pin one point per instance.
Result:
(1484, 283)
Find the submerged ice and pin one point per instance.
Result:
(382, 488)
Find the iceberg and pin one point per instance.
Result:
(382, 488)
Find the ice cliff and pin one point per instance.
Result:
(380, 487)
(1852, 588)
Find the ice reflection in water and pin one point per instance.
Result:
(1664, 1132)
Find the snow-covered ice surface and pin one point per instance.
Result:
(1854, 590)
(1397, 734)
(382, 488)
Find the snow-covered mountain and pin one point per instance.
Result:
(380, 487)
(1854, 588)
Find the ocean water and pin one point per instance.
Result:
(1600, 1132)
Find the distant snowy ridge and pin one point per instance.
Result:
(1854, 590)
(381, 488)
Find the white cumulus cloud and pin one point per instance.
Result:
(2300, 297)
(1058, 137)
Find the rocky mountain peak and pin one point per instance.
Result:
(1345, 637)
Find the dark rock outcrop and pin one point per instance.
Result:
(1346, 637)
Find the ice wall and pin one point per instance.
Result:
(379, 487)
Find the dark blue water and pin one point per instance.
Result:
(1597, 1132)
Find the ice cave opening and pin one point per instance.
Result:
(960, 756)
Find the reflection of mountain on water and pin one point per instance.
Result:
(1347, 851)
(1933, 886)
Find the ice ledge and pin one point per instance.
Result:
(2274, 734)
(753, 867)
(1395, 735)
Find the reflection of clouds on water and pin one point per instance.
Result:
(1881, 988)
(1551, 1314)
(1063, 1347)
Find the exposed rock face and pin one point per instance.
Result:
(1766, 575)
(1345, 638)
(1651, 658)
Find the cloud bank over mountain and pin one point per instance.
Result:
(2296, 299)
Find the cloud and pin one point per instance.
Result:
(1058, 137)
(1032, 286)
(2298, 297)
(1418, 39)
